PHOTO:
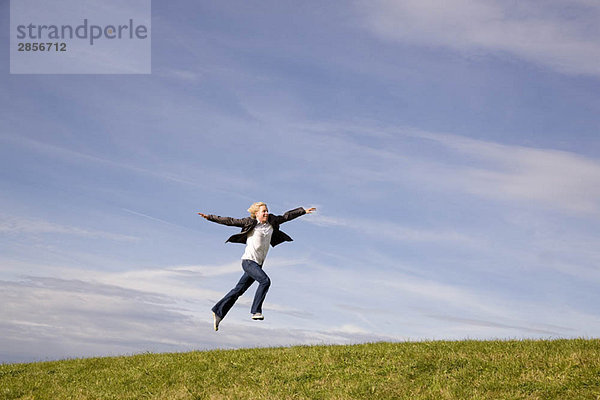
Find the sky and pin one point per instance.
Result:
(451, 149)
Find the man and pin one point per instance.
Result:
(259, 231)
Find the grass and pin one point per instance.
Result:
(556, 369)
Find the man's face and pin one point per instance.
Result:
(262, 214)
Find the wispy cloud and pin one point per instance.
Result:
(21, 225)
(366, 153)
(549, 177)
(543, 330)
(72, 156)
(139, 214)
(466, 307)
(40, 315)
(553, 33)
(395, 232)
(184, 285)
(168, 172)
(438, 292)
(183, 75)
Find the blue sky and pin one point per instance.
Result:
(451, 149)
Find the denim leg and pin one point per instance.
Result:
(225, 304)
(256, 272)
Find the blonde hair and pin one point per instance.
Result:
(255, 207)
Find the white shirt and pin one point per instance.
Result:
(257, 243)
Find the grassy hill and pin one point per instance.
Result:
(558, 369)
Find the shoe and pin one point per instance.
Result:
(217, 321)
(257, 316)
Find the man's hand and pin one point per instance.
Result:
(310, 210)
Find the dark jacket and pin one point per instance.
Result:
(248, 223)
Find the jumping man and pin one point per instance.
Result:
(258, 231)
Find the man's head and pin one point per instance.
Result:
(259, 211)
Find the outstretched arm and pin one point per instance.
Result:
(295, 213)
(224, 220)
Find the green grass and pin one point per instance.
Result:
(558, 369)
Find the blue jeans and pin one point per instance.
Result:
(252, 272)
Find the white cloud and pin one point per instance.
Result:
(548, 177)
(452, 163)
(463, 308)
(451, 296)
(21, 225)
(560, 35)
(174, 172)
(48, 318)
(396, 232)
(538, 329)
